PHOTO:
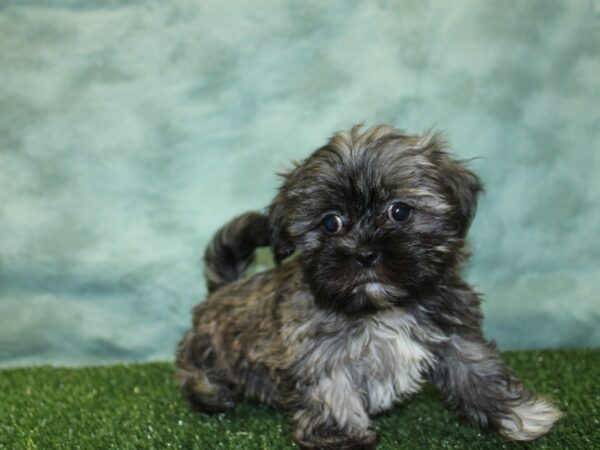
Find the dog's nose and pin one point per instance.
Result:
(367, 259)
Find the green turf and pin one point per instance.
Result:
(138, 406)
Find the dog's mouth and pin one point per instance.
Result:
(369, 286)
(379, 290)
(366, 277)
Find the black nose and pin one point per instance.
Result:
(367, 259)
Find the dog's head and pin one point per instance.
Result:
(377, 216)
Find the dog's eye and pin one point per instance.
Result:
(399, 212)
(332, 223)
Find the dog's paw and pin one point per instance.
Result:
(529, 420)
(204, 394)
(335, 441)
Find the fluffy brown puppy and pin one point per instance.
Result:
(371, 307)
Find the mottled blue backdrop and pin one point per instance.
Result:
(130, 130)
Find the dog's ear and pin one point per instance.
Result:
(466, 187)
(281, 243)
(463, 184)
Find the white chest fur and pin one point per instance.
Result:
(364, 368)
(393, 361)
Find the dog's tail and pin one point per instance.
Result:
(232, 248)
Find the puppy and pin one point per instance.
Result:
(371, 307)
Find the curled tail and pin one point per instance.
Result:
(231, 250)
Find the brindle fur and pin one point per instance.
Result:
(332, 342)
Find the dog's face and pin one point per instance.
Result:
(378, 217)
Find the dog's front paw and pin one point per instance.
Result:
(339, 441)
(529, 420)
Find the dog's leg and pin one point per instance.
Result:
(331, 415)
(471, 374)
(206, 387)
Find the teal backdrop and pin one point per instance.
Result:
(130, 130)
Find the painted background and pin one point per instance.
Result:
(130, 130)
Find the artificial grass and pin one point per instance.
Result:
(138, 406)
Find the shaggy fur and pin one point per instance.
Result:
(371, 307)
